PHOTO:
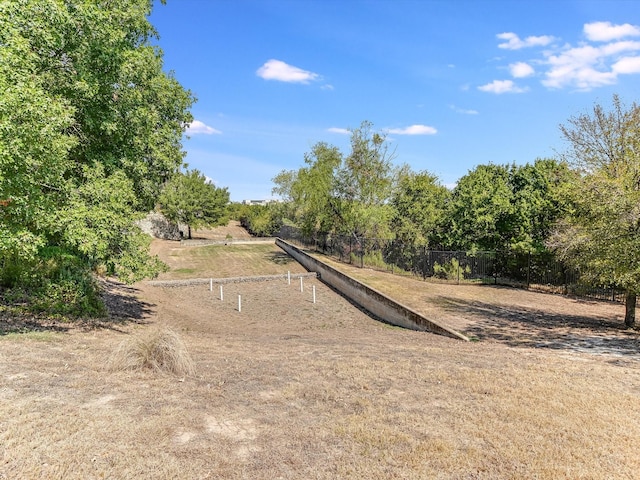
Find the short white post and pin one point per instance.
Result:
(301, 286)
(314, 293)
(239, 303)
(221, 294)
(211, 284)
(289, 277)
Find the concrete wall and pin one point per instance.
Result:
(156, 225)
(368, 298)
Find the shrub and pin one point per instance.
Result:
(450, 270)
(56, 281)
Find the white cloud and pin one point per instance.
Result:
(413, 130)
(341, 131)
(605, 31)
(587, 67)
(608, 52)
(197, 127)
(521, 70)
(502, 86)
(280, 71)
(514, 42)
(627, 65)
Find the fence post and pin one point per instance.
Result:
(425, 263)
(350, 248)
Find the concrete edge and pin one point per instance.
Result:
(205, 281)
(202, 242)
(368, 298)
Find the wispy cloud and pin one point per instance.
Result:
(413, 130)
(605, 31)
(463, 110)
(521, 70)
(514, 42)
(341, 131)
(283, 72)
(502, 86)
(199, 128)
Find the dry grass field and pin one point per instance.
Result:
(295, 390)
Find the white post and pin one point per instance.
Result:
(301, 286)
(289, 277)
(239, 303)
(221, 294)
(314, 293)
(211, 284)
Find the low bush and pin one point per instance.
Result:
(55, 281)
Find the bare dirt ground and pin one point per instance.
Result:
(288, 388)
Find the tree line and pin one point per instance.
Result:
(90, 141)
(583, 207)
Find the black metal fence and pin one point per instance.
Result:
(542, 272)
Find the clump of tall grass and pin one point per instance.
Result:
(161, 350)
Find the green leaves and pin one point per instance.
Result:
(190, 199)
(506, 207)
(602, 236)
(337, 194)
(419, 203)
(90, 130)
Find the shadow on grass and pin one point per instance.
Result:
(123, 308)
(280, 258)
(530, 327)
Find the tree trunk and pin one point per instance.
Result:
(189, 227)
(630, 310)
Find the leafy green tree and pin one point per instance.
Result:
(601, 236)
(364, 185)
(537, 203)
(342, 195)
(419, 206)
(311, 189)
(90, 129)
(480, 209)
(510, 208)
(190, 199)
(262, 220)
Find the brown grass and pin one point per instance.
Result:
(296, 390)
(160, 350)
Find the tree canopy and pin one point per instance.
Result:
(342, 194)
(601, 237)
(191, 199)
(90, 130)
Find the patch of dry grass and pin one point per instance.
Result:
(161, 350)
(220, 261)
(296, 390)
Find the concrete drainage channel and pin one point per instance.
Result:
(368, 298)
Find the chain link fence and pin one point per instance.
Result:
(543, 272)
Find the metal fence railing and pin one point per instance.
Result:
(542, 272)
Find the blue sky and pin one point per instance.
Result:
(453, 83)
